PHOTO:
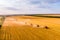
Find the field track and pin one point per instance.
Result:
(13, 30)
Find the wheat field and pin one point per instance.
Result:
(19, 28)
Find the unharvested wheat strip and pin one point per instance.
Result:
(8, 34)
(3, 34)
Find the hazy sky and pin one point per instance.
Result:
(29, 6)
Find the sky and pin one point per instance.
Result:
(8, 7)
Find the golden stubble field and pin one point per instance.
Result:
(19, 28)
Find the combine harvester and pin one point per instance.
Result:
(2, 18)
